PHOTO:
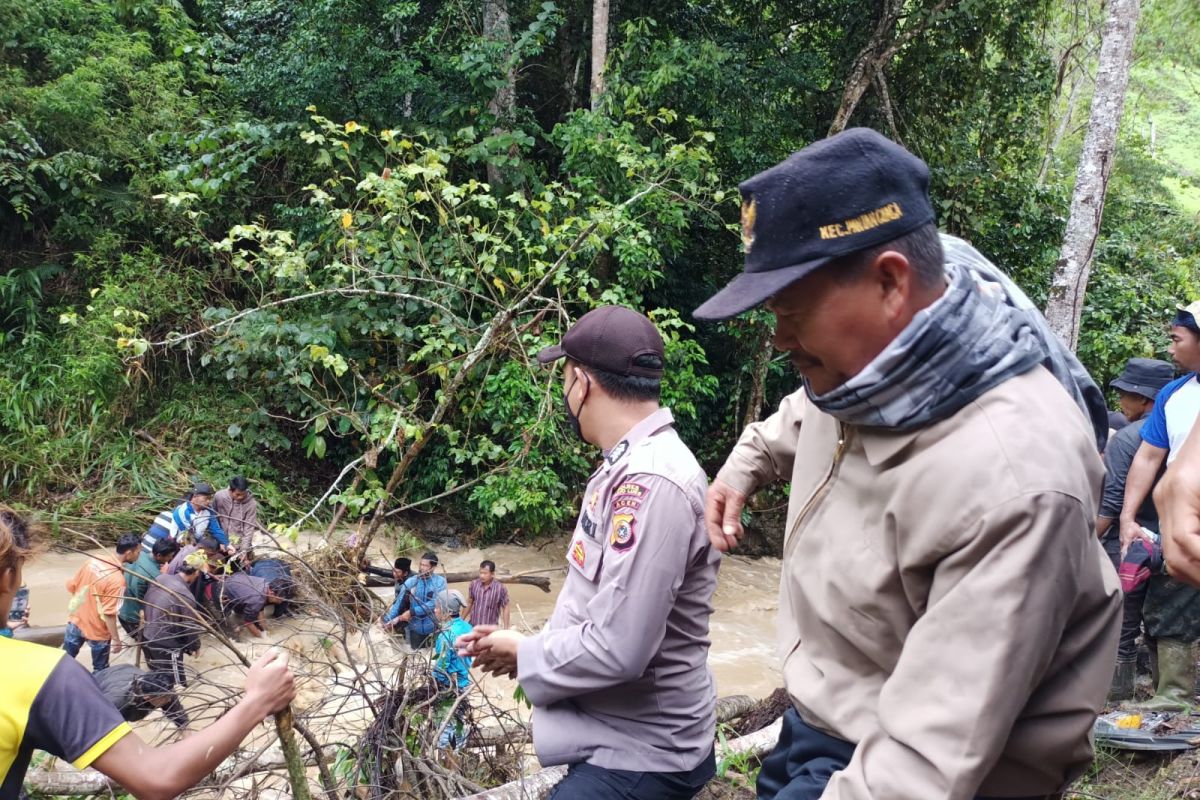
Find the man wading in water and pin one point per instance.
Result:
(619, 678)
(947, 617)
(49, 702)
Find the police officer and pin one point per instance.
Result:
(619, 675)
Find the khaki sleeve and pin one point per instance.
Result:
(765, 451)
(998, 607)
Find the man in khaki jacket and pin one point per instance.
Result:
(948, 620)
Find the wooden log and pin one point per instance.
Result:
(540, 581)
(49, 635)
(532, 787)
(734, 706)
(88, 781)
(538, 785)
(757, 744)
(728, 708)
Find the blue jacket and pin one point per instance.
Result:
(422, 592)
(449, 667)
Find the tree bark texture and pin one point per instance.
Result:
(497, 28)
(599, 48)
(874, 57)
(1069, 284)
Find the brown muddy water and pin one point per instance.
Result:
(742, 657)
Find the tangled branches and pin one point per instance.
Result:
(370, 716)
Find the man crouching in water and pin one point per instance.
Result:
(619, 675)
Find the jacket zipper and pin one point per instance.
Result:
(838, 452)
(844, 435)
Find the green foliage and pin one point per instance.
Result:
(199, 275)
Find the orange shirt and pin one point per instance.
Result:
(97, 588)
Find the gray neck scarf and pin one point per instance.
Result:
(980, 333)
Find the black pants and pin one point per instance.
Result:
(800, 766)
(168, 661)
(589, 782)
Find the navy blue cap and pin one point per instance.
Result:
(854, 190)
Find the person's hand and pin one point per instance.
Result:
(117, 646)
(1177, 498)
(405, 617)
(497, 650)
(1131, 531)
(723, 515)
(270, 685)
(469, 643)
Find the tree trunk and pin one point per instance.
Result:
(758, 375)
(1060, 130)
(876, 54)
(599, 48)
(862, 71)
(497, 28)
(1065, 306)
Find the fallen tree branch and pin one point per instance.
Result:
(538, 785)
(89, 781)
(728, 708)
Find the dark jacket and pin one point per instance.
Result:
(172, 615)
(244, 594)
(1118, 456)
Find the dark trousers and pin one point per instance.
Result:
(167, 661)
(800, 766)
(1131, 623)
(589, 782)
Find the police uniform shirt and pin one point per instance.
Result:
(619, 677)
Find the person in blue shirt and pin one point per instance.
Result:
(191, 520)
(451, 671)
(1171, 609)
(421, 590)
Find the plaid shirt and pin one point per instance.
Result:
(486, 601)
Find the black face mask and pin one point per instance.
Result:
(572, 417)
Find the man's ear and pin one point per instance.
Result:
(8, 581)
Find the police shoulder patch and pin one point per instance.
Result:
(624, 532)
(618, 450)
(629, 496)
(579, 554)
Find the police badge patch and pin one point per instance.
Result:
(623, 537)
(618, 450)
(578, 554)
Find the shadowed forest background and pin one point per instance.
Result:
(318, 242)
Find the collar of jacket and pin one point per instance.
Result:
(649, 426)
(879, 444)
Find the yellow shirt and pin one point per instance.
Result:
(49, 702)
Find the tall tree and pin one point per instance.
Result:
(1065, 306)
(599, 48)
(497, 28)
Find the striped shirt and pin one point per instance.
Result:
(182, 522)
(487, 601)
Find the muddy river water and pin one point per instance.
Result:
(742, 657)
